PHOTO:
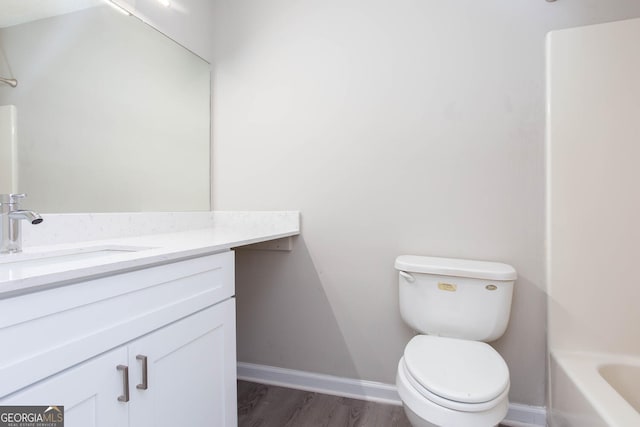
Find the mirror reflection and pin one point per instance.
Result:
(108, 115)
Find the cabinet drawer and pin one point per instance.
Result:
(45, 332)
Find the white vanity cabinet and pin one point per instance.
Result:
(152, 347)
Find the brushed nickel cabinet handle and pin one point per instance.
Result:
(125, 383)
(145, 383)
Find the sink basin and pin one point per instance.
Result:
(36, 259)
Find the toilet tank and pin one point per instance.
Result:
(454, 297)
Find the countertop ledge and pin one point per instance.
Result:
(153, 249)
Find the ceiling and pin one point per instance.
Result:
(16, 12)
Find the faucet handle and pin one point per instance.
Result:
(11, 198)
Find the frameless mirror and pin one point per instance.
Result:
(108, 114)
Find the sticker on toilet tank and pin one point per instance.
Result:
(447, 287)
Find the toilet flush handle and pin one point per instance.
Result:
(409, 278)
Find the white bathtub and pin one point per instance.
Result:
(594, 390)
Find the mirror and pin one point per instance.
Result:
(108, 114)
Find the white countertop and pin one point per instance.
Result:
(227, 231)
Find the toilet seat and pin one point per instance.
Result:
(458, 374)
(445, 403)
(423, 412)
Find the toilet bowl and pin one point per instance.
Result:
(446, 382)
(450, 376)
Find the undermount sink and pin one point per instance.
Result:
(35, 259)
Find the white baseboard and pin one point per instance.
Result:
(518, 416)
(320, 383)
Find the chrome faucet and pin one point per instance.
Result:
(10, 237)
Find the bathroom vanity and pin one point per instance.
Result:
(125, 319)
(129, 331)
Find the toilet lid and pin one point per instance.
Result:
(458, 370)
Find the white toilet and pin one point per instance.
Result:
(450, 377)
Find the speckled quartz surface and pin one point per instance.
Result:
(155, 238)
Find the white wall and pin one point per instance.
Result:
(404, 127)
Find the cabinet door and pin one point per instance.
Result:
(191, 372)
(89, 392)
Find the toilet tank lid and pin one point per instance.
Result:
(456, 267)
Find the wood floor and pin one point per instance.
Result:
(270, 406)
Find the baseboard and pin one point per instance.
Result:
(320, 383)
(518, 415)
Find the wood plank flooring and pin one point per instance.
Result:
(262, 405)
(270, 406)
